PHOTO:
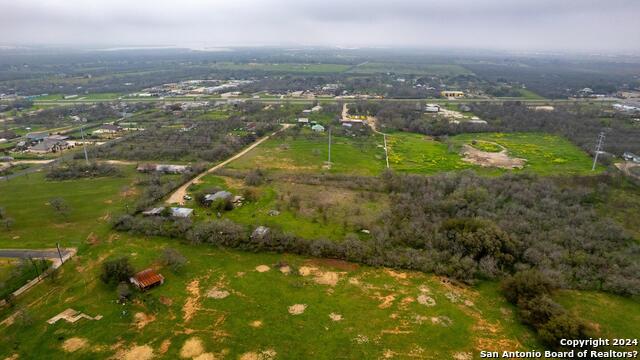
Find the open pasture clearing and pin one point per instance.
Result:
(416, 153)
(91, 201)
(338, 307)
(545, 154)
(308, 152)
(309, 211)
(357, 311)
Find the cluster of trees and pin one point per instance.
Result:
(157, 186)
(475, 227)
(80, 169)
(556, 78)
(60, 114)
(6, 221)
(531, 292)
(208, 141)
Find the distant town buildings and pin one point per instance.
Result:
(449, 94)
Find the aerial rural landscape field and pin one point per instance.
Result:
(399, 199)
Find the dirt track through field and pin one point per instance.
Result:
(178, 196)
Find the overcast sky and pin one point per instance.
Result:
(592, 25)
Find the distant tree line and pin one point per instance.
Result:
(207, 141)
(80, 169)
(580, 124)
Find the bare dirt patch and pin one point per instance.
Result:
(297, 309)
(92, 239)
(262, 268)
(386, 301)
(335, 317)
(491, 159)
(166, 300)
(442, 321)
(462, 356)
(164, 347)
(191, 348)
(256, 324)
(74, 344)
(141, 352)
(426, 300)
(330, 278)
(217, 293)
(192, 304)
(141, 319)
(334, 263)
(268, 354)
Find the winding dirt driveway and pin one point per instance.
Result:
(177, 197)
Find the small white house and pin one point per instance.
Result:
(432, 108)
(317, 128)
(303, 121)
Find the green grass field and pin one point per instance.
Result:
(6, 268)
(91, 202)
(308, 152)
(545, 154)
(417, 153)
(376, 312)
(319, 211)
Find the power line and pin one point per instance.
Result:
(598, 149)
(84, 144)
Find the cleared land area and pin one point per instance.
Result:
(308, 152)
(544, 154)
(309, 211)
(220, 295)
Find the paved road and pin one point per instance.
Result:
(328, 100)
(35, 254)
(178, 196)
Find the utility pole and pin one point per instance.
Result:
(386, 153)
(598, 150)
(59, 253)
(329, 162)
(34, 266)
(84, 145)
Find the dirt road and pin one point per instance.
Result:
(178, 196)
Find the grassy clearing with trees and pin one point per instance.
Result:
(397, 306)
(27, 200)
(546, 154)
(308, 152)
(308, 211)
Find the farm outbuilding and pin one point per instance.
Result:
(147, 279)
(220, 195)
(317, 128)
(180, 212)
